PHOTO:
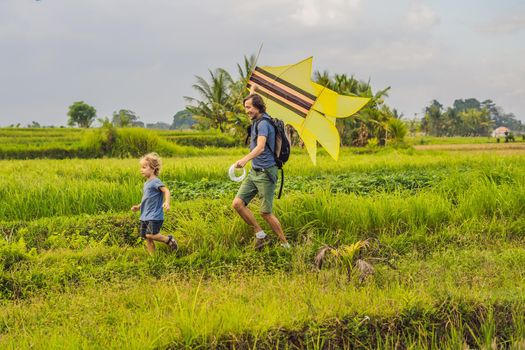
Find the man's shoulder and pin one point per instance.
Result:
(265, 122)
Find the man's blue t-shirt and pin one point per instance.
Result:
(152, 199)
(264, 128)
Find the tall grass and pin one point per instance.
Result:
(74, 273)
(480, 186)
(268, 310)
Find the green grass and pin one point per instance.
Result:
(266, 309)
(97, 186)
(454, 140)
(75, 275)
(66, 143)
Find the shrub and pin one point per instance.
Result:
(12, 253)
(397, 129)
(135, 142)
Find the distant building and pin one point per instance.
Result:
(500, 132)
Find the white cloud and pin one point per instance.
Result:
(420, 17)
(325, 12)
(507, 25)
(399, 55)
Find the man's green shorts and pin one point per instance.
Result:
(258, 181)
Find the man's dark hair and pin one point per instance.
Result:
(257, 102)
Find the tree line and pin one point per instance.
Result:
(218, 106)
(468, 117)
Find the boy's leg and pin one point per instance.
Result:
(169, 240)
(150, 245)
(157, 237)
(155, 227)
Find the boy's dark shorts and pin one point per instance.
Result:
(150, 226)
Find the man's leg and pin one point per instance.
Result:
(275, 225)
(267, 189)
(246, 214)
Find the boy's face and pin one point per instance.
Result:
(145, 169)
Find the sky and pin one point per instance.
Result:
(144, 55)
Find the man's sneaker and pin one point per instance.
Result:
(172, 243)
(286, 245)
(260, 243)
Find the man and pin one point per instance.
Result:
(262, 178)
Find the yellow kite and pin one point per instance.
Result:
(290, 95)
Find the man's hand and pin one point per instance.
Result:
(253, 88)
(166, 206)
(240, 163)
(135, 208)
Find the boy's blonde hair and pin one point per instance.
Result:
(153, 161)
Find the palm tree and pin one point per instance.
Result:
(246, 69)
(216, 104)
(323, 79)
(369, 120)
(397, 130)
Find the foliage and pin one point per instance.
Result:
(124, 118)
(396, 129)
(217, 102)
(371, 120)
(353, 258)
(466, 118)
(158, 126)
(82, 114)
(183, 120)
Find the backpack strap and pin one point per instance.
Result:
(274, 157)
(267, 144)
(282, 183)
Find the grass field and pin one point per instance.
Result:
(67, 143)
(450, 220)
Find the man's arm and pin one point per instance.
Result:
(259, 148)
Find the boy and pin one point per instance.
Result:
(152, 204)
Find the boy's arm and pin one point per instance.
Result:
(167, 197)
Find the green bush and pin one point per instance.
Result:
(12, 253)
(134, 142)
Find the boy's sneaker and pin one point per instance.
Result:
(286, 245)
(260, 243)
(172, 243)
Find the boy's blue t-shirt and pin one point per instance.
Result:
(266, 159)
(152, 199)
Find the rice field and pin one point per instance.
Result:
(448, 227)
